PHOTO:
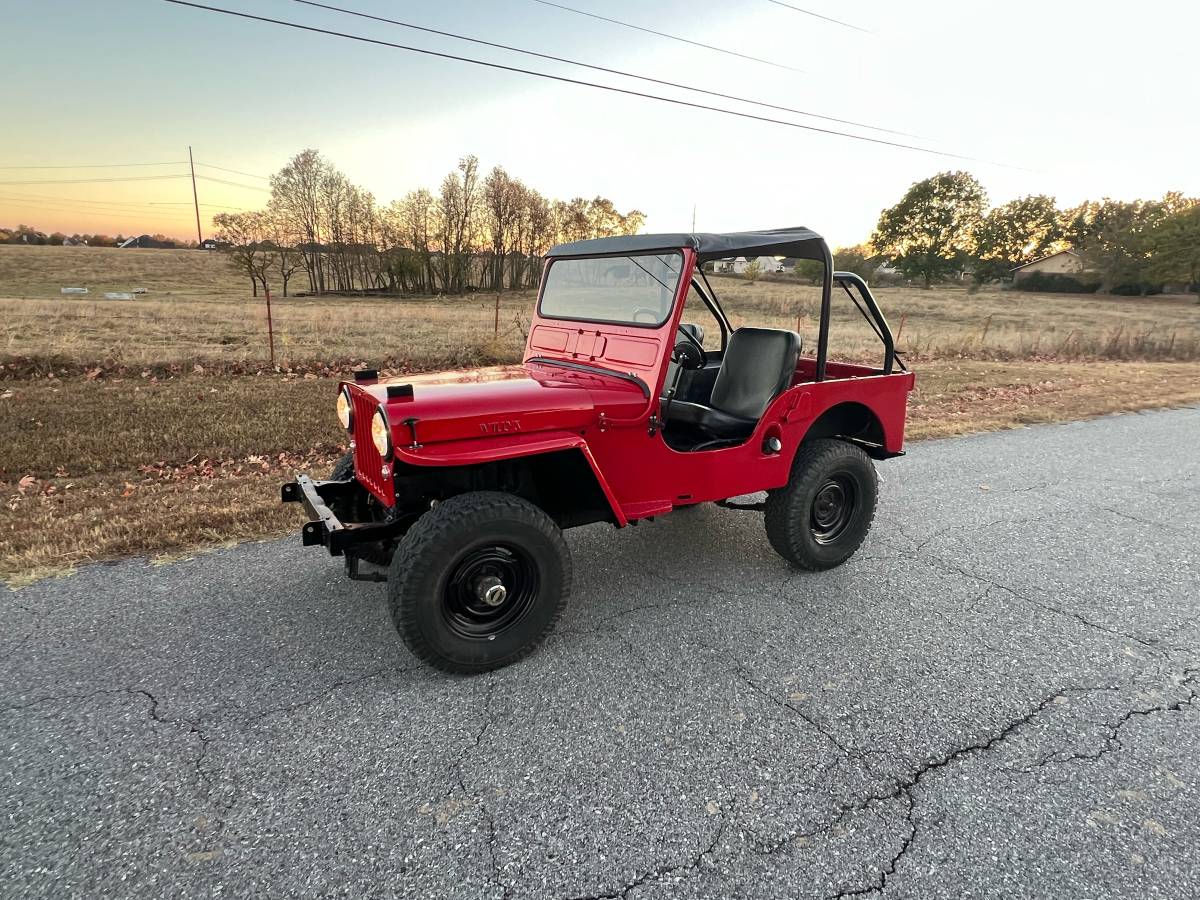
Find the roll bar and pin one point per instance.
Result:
(874, 316)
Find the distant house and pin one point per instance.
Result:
(74, 242)
(208, 244)
(1064, 262)
(766, 264)
(146, 241)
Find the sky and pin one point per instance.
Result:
(1074, 99)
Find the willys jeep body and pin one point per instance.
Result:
(458, 484)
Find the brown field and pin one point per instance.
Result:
(198, 312)
(115, 443)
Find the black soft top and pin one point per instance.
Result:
(796, 242)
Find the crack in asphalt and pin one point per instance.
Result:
(889, 869)
(851, 751)
(1132, 518)
(595, 626)
(663, 872)
(489, 817)
(952, 569)
(24, 639)
(1112, 742)
(904, 788)
(380, 672)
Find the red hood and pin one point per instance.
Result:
(526, 398)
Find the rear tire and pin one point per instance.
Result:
(823, 514)
(478, 582)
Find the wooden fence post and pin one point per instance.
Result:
(270, 326)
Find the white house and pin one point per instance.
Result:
(737, 266)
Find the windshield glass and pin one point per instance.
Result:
(630, 290)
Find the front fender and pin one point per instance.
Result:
(508, 446)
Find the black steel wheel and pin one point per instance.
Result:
(833, 508)
(823, 515)
(478, 582)
(489, 590)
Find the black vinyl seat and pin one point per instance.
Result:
(758, 366)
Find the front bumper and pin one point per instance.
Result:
(325, 528)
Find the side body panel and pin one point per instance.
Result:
(649, 478)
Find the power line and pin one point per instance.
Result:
(234, 171)
(249, 187)
(101, 165)
(59, 208)
(562, 78)
(27, 196)
(96, 180)
(815, 15)
(572, 62)
(671, 37)
(131, 205)
(202, 205)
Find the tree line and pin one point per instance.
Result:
(942, 226)
(27, 234)
(476, 232)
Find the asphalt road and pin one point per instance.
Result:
(996, 697)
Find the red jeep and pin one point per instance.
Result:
(460, 483)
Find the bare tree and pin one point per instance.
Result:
(288, 260)
(250, 251)
(458, 205)
(502, 196)
(475, 231)
(296, 192)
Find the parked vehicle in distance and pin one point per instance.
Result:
(459, 484)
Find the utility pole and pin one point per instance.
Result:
(693, 218)
(195, 198)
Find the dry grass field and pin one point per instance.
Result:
(198, 311)
(156, 426)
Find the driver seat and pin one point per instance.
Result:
(758, 366)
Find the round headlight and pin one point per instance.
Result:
(380, 436)
(343, 408)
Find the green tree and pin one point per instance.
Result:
(752, 271)
(857, 259)
(1117, 242)
(1016, 233)
(1174, 245)
(930, 232)
(810, 270)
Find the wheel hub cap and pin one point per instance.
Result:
(491, 590)
(833, 508)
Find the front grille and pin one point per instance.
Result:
(368, 467)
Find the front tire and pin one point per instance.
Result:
(824, 513)
(478, 582)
